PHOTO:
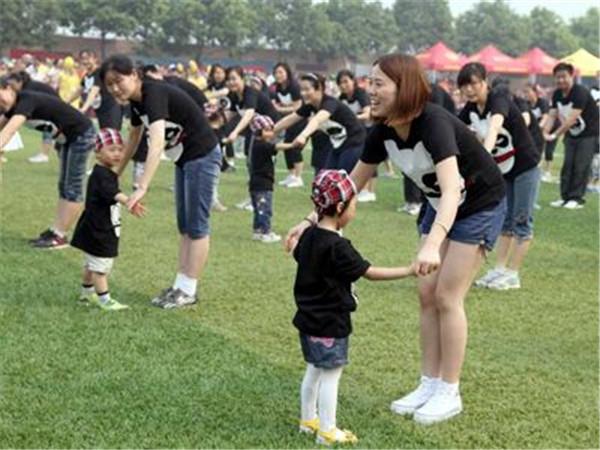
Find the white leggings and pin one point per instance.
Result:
(320, 385)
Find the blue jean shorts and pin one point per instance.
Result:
(324, 352)
(480, 228)
(73, 160)
(520, 200)
(195, 183)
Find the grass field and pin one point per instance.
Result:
(227, 374)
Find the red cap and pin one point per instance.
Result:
(108, 136)
(331, 187)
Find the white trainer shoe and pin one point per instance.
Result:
(557, 203)
(267, 238)
(295, 182)
(489, 277)
(286, 180)
(443, 405)
(573, 204)
(365, 196)
(39, 158)
(505, 282)
(411, 402)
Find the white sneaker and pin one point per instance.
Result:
(366, 196)
(267, 238)
(164, 157)
(505, 282)
(295, 182)
(411, 402)
(443, 405)
(286, 180)
(557, 203)
(489, 277)
(573, 204)
(546, 177)
(39, 158)
(245, 205)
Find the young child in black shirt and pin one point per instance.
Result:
(327, 267)
(99, 227)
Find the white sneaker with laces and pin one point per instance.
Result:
(267, 238)
(557, 203)
(489, 277)
(411, 402)
(286, 180)
(295, 182)
(39, 158)
(573, 204)
(443, 405)
(505, 282)
(365, 196)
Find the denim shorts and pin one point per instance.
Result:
(480, 228)
(521, 193)
(73, 160)
(195, 183)
(324, 352)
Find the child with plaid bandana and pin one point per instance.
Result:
(99, 227)
(328, 264)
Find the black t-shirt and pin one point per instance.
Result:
(327, 267)
(577, 98)
(534, 127)
(253, 99)
(99, 227)
(46, 113)
(358, 101)
(37, 86)
(187, 132)
(439, 96)
(515, 151)
(434, 136)
(214, 86)
(540, 108)
(190, 89)
(104, 101)
(343, 128)
(288, 94)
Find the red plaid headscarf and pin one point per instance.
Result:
(331, 187)
(108, 136)
(261, 122)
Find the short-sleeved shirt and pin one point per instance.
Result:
(434, 136)
(540, 108)
(253, 99)
(190, 89)
(439, 96)
(188, 135)
(38, 86)
(514, 151)
(534, 127)
(104, 100)
(358, 101)
(327, 267)
(342, 127)
(577, 98)
(288, 94)
(49, 114)
(99, 227)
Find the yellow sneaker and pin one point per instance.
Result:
(309, 426)
(336, 436)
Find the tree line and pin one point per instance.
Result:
(331, 28)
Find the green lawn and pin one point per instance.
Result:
(227, 374)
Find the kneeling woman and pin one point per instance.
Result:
(177, 125)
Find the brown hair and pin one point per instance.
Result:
(413, 89)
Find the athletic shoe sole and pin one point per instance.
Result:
(430, 420)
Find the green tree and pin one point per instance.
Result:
(422, 23)
(229, 23)
(549, 32)
(23, 22)
(492, 23)
(585, 28)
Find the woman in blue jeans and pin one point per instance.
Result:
(70, 128)
(330, 115)
(177, 125)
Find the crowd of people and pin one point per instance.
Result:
(472, 152)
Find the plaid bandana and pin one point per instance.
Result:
(260, 122)
(108, 136)
(331, 187)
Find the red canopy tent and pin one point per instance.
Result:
(496, 61)
(440, 58)
(538, 62)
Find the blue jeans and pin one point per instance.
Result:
(521, 193)
(262, 202)
(344, 159)
(195, 183)
(73, 160)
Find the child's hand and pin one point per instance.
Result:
(267, 135)
(300, 141)
(136, 197)
(282, 146)
(138, 210)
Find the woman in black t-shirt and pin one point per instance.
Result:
(499, 124)
(176, 125)
(465, 208)
(49, 114)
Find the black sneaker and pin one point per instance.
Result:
(50, 241)
(179, 299)
(43, 235)
(162, 297)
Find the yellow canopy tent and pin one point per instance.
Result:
(587, 65)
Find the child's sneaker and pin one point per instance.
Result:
(443, 405)
(573, 204)
(309, 426)
(336, 436)
(111, 305)
(411, 402)
(365, 196)
(489, 277)
(88, 299)
(179, 299)
(267, 238)
(39, 158)
(286, 180)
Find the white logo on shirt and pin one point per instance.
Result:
(173, 137)
(504, 150)
(564, 111)
(418, 165)
(285, 99)
(115, 218)
(88, 84)
(336, 131)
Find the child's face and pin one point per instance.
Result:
(110, 155)
(348, 215)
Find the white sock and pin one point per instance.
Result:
(431, 381)
(186, 284)
(58, 232)
(104, 298)
(451, 388)
(328, 392)
(87, 290)
(309, 391)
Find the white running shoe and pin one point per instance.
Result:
(489, 277)
(365, 196)
(443, 405)
(573, 204)
(245, 205)
(267, 238)
(558, 203)
(39, 158)
(295, 182)
(505, 282)
(411, 402)
(286, 180)
(546, 177)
